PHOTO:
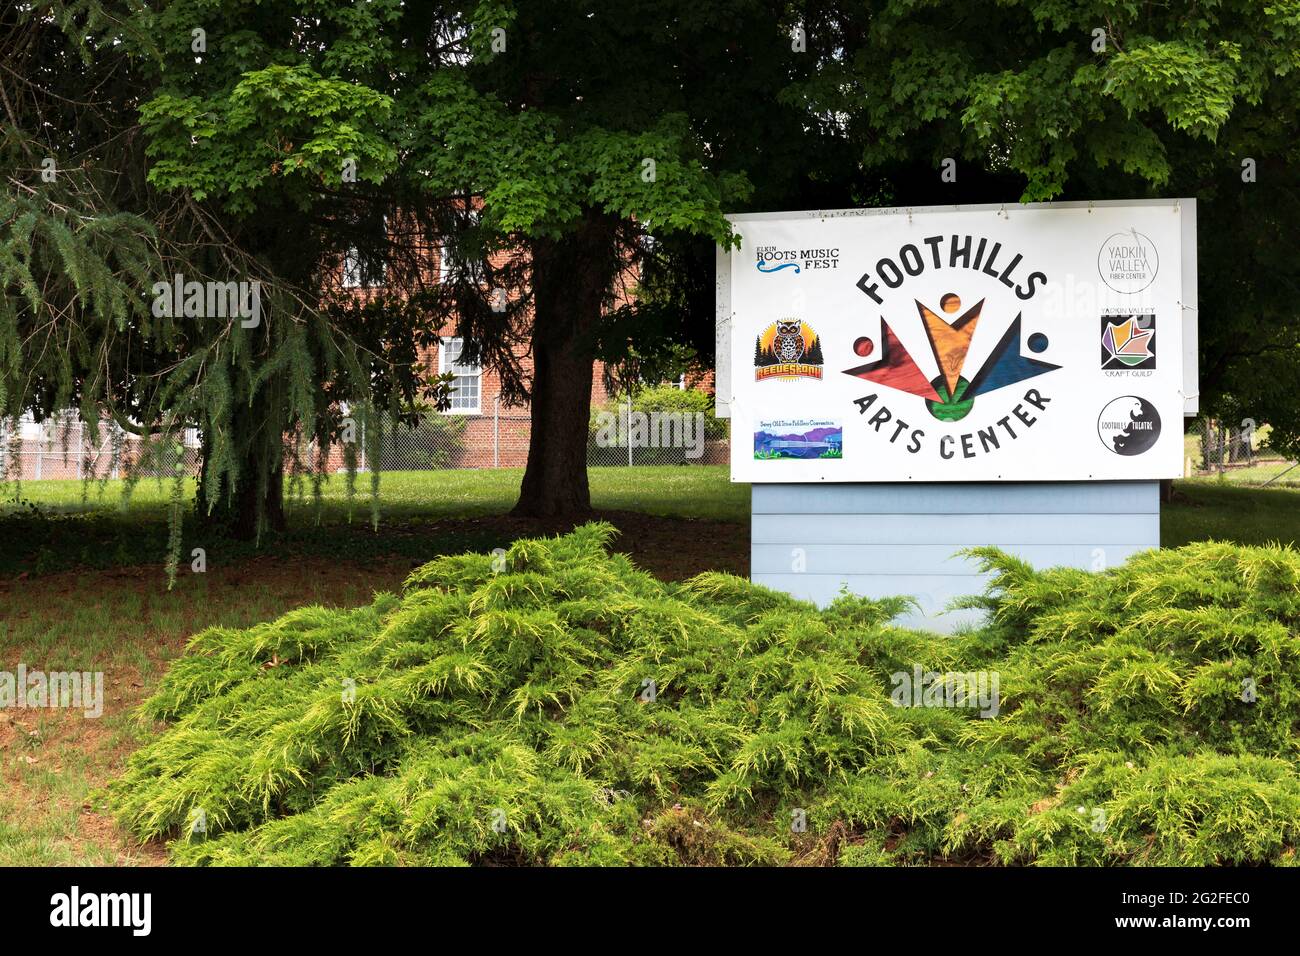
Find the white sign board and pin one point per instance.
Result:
(1040, 343)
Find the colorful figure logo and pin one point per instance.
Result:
(950, 396)
(788, 348)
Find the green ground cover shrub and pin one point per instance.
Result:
(556, 705)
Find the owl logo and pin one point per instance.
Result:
(788, 348)
(788, 344)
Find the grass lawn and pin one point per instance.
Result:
(695, 491)
(1209, 509)
(88, 526)
(81, 587)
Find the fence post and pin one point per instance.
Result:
(361, 448)
(628, 429)
(496, 432)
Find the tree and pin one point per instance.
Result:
(1044, 100)
(100, 244)
(566, 153)
(607, 143)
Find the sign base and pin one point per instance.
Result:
(880, 540)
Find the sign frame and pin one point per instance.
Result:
(1187, 303)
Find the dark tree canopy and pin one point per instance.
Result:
(574, 160)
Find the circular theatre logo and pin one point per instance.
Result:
(1128, 425)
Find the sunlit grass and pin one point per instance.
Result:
(691, 491)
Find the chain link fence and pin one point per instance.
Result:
(64, 447)
(1239, 454)
(619, 435)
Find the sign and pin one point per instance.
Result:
(1039, 343)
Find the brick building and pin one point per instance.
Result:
(477, 431)
(494, 434)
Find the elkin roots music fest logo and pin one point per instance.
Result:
(953, 394)
(788, 348)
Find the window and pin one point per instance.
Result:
(466, 395)
(448, 261)
(359, 274)
(351, 270)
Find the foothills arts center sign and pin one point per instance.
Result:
(1018, 343)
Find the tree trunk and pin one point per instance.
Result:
(1239, 445)
(572, 277)
(235, 515)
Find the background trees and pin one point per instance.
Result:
(565, 155)
(1042, 100)
(106, 107)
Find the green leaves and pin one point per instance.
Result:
(1193, 85)
(556, 706)
(276, 124)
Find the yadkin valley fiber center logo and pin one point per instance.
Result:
(949, 326)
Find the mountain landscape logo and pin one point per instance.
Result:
(788, 348)
(799, 438)
(1128, 341)
(1128, 425)
(951, 395)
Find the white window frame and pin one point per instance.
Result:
(445, 265)
(444, 262)
(445, 346)
(354, 277)
(352, 270)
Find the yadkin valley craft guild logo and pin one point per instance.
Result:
(1128, 342)
(788, 348)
